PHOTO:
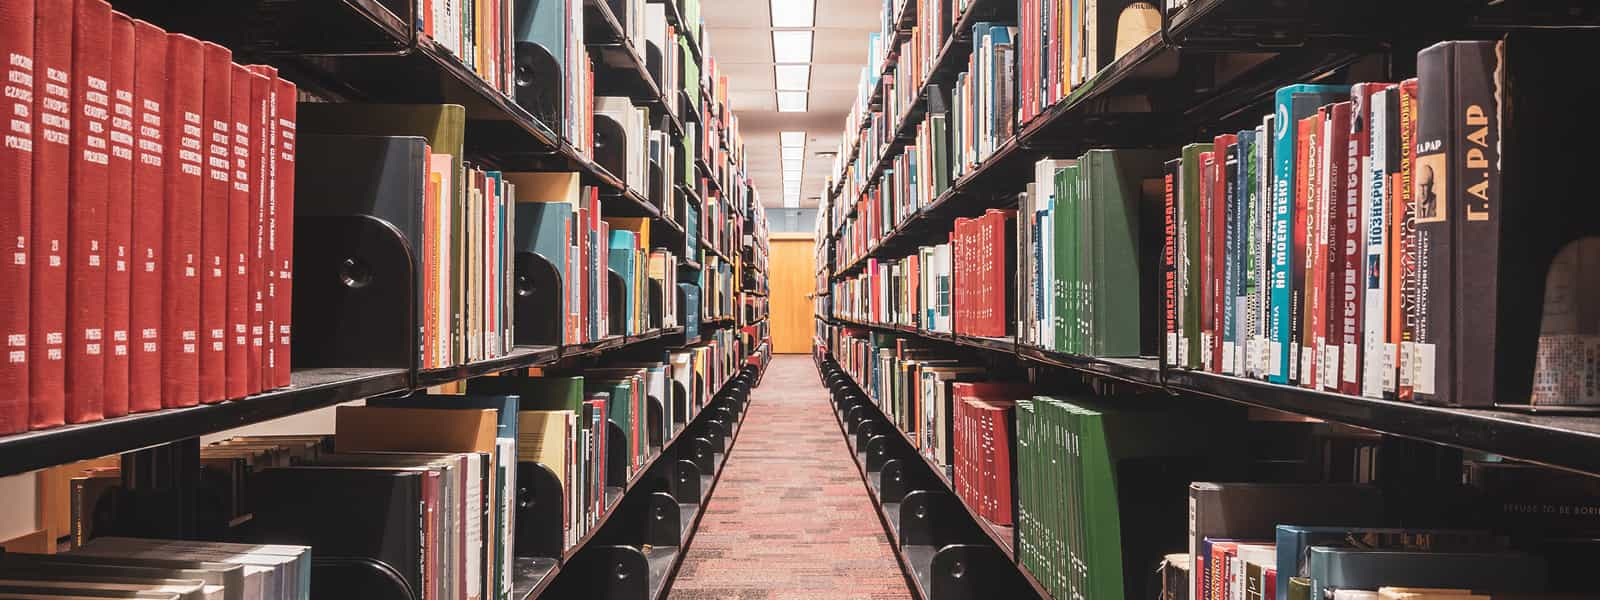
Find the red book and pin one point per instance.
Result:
(16, 214)
(180, 303)
(1221, 298)
(52, 114)
(261, 96)
(1317, 243)
(119, 217)
(430, 275)
(241, 111)
(1403, 287)
(1208, 316)
(1306, 132)
(268, 246)
(283, 232)
(149, 206)
(86, 210)
(215, 197)
(1337, 188)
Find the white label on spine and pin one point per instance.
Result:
(1423, 368)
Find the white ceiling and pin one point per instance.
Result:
(739, 37)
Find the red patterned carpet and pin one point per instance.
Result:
(790, 518)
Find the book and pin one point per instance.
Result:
(52, 120)
(16, 216)
(216, 197)
(1342, 568)
(1253, 510)
(180, 293)
(89, 165)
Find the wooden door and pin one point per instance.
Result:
(792, 270)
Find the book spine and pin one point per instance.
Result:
(1474, 199)
(1302, 247)
(1282, 141)
(149, 208)
(52, 113)
(1375, 129)
(1403, 286)
(1169, 258)
(286, 94)
(1265, 255)
(240, 110)
(1207, 228)
(16, 208)
(216, 195)
(86, 211)
(1228, 264)
(260, 191)
(269, 236)
(119, 216)
(180, 306)
(1438, 69)
(1336, 189)
(1352, 251)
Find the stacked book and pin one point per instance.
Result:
(123, 567)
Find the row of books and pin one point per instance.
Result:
(551, 38)
(1063, 44)
(126, 567)
(1088, 244)
(718, 288)
(425, 484)
(481, 35)
(1295, 254)
(148, 202)
(1343, 243)
(406, 164)
(1099, 488)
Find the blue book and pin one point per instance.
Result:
(1493, 572)
(1292, 103)
(1294, 543)
(623, 258)
(689, 309)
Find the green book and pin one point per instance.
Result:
(1113, 180)
(1189, 262)
(534, 393)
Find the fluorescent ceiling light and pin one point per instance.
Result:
(791, 102)
(789, 178)
(791, 77)
(793, 165)
(791, 47)
(791, 202)
(793, 13)
(793, 153)
(792, 138)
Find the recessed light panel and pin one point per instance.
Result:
(792, 138)
(790, 47)
(793, 13)
(791, 101)
(792, 77)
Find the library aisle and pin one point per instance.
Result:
(790, 518)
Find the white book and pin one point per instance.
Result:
(1375, 183)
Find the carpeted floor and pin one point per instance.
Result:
(790, 518)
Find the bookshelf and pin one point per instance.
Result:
(1344, 36)
(1209, 68)
(379, 52)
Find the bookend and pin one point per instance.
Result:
(616, 312)
(680, 404)
(699, 452)
(656, 301)
(536, 67)
(610, 145)
(965, 565)
(620, 572)
(358, 577)
(537, 304)
(686, 480)
(538, 512)
(654, 412)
